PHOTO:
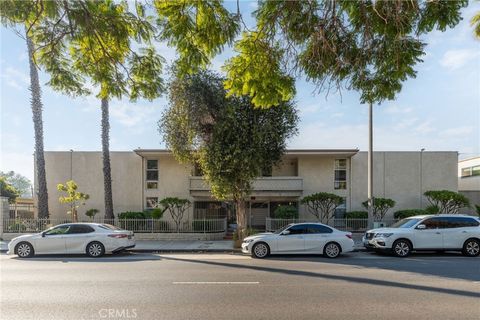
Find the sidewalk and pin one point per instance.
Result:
(190, 245)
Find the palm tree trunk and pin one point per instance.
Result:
(36, 103)
(107, 174)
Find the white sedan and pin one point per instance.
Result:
(92, 239)
(300, 238)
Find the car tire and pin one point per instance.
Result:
(24, 250)
(332, 250)
(471, 248)
(402, 248)
(95, 249)
(260, 250)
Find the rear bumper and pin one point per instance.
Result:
(123, 248)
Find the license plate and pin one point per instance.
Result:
(129, 237)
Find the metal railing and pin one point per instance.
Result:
(135, 225)
(352, 225)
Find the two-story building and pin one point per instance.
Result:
(469, 180)
(142, 177)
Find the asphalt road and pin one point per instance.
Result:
(225, 286)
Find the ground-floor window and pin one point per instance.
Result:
(211, 209)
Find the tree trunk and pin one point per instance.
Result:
(107, 174)
(241, 217)
(36, 103)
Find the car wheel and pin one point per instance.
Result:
(332, 250)
(95, 249)
(401, 248)
(24, 250)
(260, 250)
(471, 248)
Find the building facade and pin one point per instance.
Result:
(469, 180)
(143, 177)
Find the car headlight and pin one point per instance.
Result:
(382, 235)
(247, 241)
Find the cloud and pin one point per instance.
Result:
(395, 109)
(15, 78)
(455, 59)
(20, 162)
(457, 132)
(131, 115)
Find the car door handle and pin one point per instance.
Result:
(437, 232)
(464, 231)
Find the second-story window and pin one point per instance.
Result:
(152, 174)
(340, 181)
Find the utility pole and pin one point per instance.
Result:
(370, 166)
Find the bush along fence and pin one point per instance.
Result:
(145, 225)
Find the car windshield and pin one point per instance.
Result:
(283, 228)
(405, 223)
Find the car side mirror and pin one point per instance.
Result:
(421, 227)
(43, 234)
(285, 232)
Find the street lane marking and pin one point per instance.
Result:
(216, 282)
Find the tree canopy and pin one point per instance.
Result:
(231, 141)
(446, 201)
(322, 205)
(368, 46)
(7, 190)
(21, 183)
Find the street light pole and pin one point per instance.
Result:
(370, 166)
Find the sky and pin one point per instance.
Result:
(439, 110)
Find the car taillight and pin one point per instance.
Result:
(348, 235)
(118, 236)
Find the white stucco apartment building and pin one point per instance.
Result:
(469, 179)
(142, 177)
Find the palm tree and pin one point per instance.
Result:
(107, 174)
(37, 106)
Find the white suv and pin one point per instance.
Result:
(452, 232)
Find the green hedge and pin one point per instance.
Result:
(286, 212)
(134, 215)
(402, 214)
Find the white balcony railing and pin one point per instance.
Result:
(260, 184)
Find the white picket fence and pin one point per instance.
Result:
(135, 225)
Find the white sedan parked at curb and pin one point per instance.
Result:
(92, 239)
(300, 238)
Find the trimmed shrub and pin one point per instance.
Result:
(477, 209)
(380, 207)
(402, 214)
(286, 212)
(433, 209)
(134, 215)
(447, 201)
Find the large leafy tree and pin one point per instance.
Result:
(231, 141)
(7, 190)
(19, 182)
(84, 44)
(368, 46)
